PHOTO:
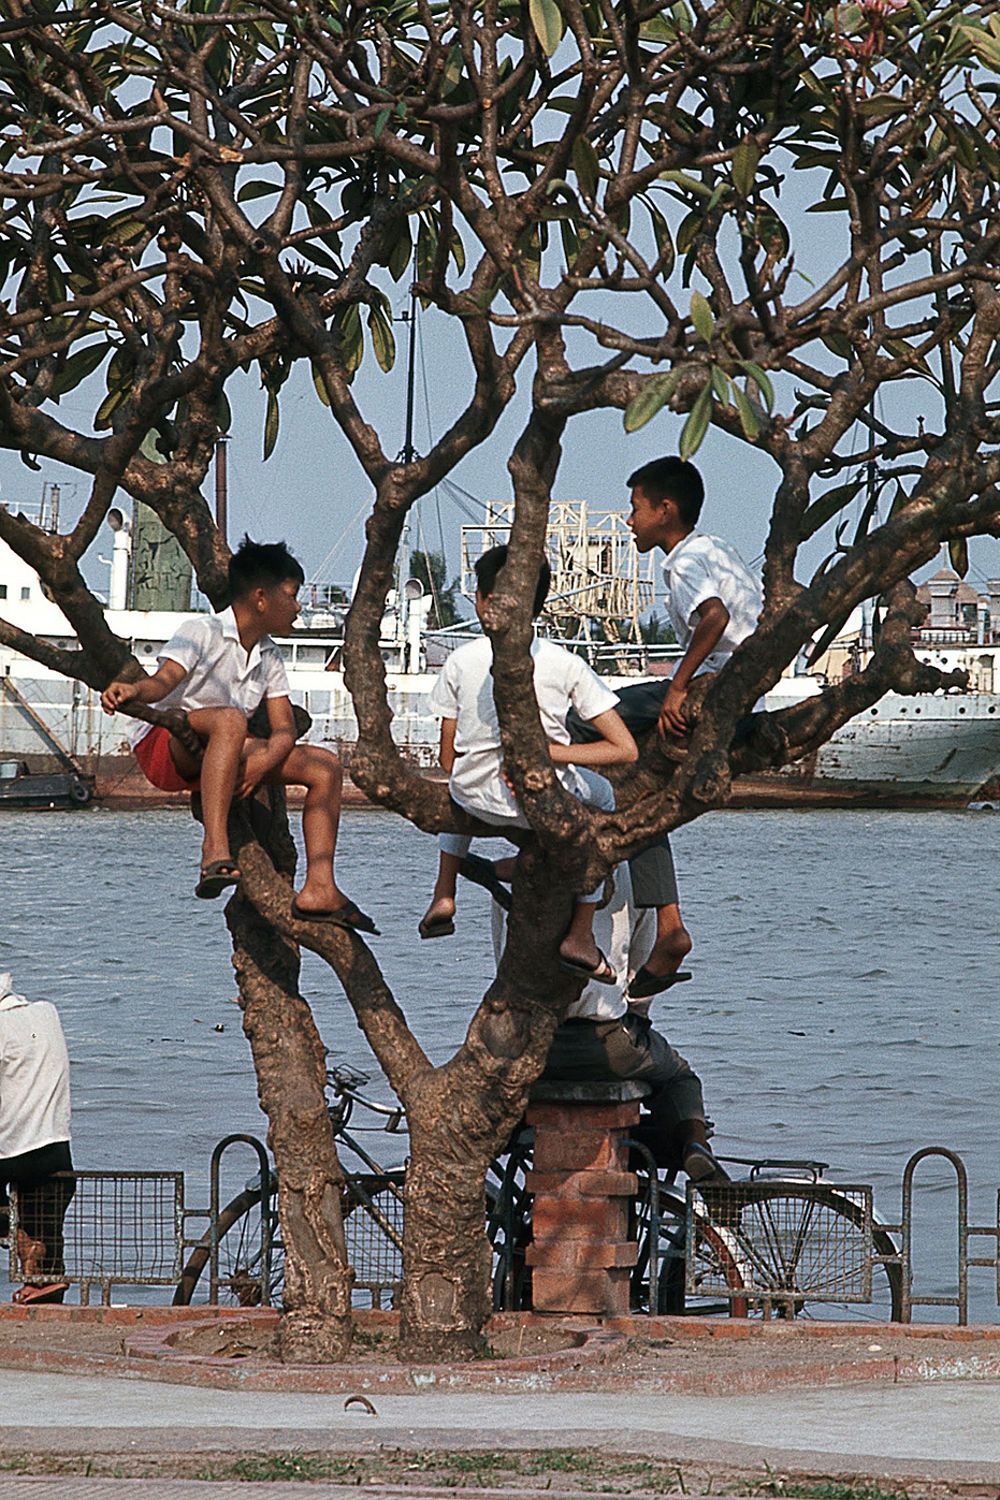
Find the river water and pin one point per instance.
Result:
(844, 1005)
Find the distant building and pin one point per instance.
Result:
(959, 614)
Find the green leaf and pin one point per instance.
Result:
(701, 317)
(827, 506)
(838, 343)
(654, 395)
(399, 256)
(547, 19)
(271, 424)
(958, 551)
(688, 231)
(663, 237)
(320, 385)
(383, 341)
(746, 159)
(881, 106)
(352, 342)
(381, 120)
(251, 190)
(690, 184)
(585, 165)
(756, 373)
(111, 401)
(696, 426)
(828, 637)
(720, 383)
(77, 367)
(570, 242)
(749, 420)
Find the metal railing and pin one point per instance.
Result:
(766, 1243)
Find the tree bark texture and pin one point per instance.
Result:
(290, 1063)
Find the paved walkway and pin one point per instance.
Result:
(930, 1426)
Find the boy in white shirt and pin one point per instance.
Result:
(471, 753)
(217, 669)
(714, 603)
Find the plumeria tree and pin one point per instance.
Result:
(606, 198)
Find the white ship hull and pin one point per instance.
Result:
(931, 750)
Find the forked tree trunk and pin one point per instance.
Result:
(289, 1060)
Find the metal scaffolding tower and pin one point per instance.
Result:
(601, 586)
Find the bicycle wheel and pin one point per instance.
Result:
(802, 1248)
(717, 1261)
(240, 1254)
(508, 1227)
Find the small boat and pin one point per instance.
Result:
(28, 790)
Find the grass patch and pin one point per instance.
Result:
(833, 1491)
(265, 1467)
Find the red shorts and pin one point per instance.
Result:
(153, 754)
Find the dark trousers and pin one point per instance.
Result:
(42, 1200)
(629, 1048)
(654, 879)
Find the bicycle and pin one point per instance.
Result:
(780, 1239)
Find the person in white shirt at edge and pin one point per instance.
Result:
(217, 669)
(470, 752)
(35, 1137)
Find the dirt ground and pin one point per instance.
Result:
(717, 1352)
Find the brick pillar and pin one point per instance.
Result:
(580, 1253)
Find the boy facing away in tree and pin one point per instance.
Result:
(471, 753)
(217, 669)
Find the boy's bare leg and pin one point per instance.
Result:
(442, 906)
(672, 944)
(224, 733)
(578, 945)
(322, 775)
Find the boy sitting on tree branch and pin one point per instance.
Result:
(216, 670)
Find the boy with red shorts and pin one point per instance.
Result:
(216, 670)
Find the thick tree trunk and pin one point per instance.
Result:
(462, 1115)
(290, 1063)
(447, 1257)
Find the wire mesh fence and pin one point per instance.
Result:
(98, 1228)
(374, 1208)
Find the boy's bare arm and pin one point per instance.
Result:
(446, 753)
(713, 617)
(147, 690)
(616, 747)
(265, 756)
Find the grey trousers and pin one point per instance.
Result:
(584, 1051)
(654, 879)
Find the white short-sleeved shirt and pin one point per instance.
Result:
(220, 672)
(703, 567)
(34, 1076)
(464, 692)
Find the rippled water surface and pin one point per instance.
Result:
(845, 1006)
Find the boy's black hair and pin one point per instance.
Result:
(262, 565)
(489, 565)
(671, 479)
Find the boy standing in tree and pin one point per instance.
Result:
(471, 753)
(217, 669)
